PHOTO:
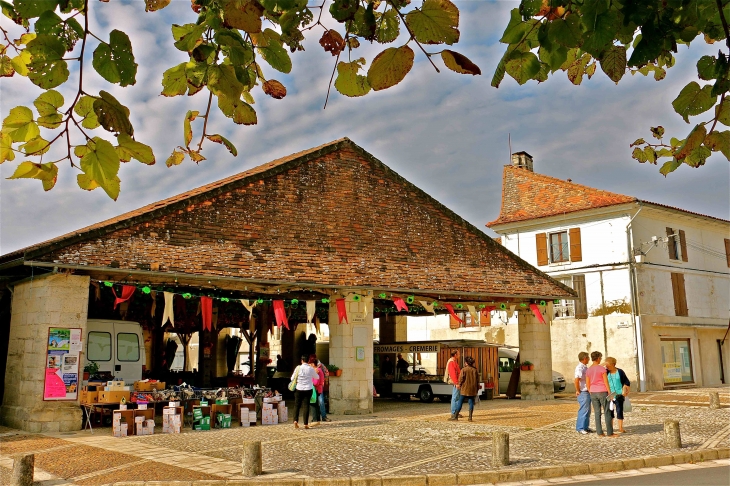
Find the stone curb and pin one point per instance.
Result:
(449, 479)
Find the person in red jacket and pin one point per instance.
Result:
(453, 370)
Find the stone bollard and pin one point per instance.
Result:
(671, 434)
(251, 459)
(714, 400)
(23, 467)
(500, 449)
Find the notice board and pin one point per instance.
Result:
(62, 364)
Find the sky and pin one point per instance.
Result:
(447, 133)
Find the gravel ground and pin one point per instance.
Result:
(13, 444)
(146, 471)
(79, 460)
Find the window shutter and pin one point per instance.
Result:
(541, 243)
(576, 254)
(581, 306)
(683, 245)
(727, 251)
(670, 246)
(680, 298)
(485, 318)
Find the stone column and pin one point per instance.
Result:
(352, 392)
(534, 339)
(55, 300)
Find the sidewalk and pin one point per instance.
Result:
(399, 439)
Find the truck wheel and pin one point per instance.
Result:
(425, 394)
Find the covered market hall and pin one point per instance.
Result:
(329, 235)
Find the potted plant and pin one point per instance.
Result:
(334, 370)
(527, 366)
(90, 369)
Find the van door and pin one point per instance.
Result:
(129, 351)
(99, 347)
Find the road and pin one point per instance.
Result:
(705, 476)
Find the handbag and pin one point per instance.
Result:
(313, 398)
(627, 405)
(293, 383)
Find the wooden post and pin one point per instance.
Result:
(23, 467)
(671, 434)
(500, 449)
(251, 458)
(714, 400)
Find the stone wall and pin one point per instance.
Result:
(351, 393)
(535, 347)
(50, 301)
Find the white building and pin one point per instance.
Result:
(653, 280)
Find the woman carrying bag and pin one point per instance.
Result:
(301, 381)
(620, 387)
(469, 387)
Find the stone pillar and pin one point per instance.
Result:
(534, 339)
(352, 392)
(55, 300)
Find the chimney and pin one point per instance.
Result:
(522, 160)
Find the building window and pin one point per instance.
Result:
(680, 297)
(559, 248)
(677, 361)
(676, 244)
(573, 308)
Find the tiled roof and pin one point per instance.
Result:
(527, 195)
(332, 215)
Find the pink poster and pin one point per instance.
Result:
(62, 364)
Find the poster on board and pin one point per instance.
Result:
(62, 364)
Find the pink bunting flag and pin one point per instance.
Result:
(450, 308)
(536, 310)
(342, 311)
(127, 291)
(280, 314)
(400, 305)
(206, 309)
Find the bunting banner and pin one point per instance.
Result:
(316, 324)
(127, 291)
(400, 304)
(169, 313)
(206, 308)
(280, 314)
(311, 308)
(487, 310)
(366, 301)
(341, 311)
(427, 306)
(249, 307)
(450, 308)
(536, 310)
(473, 313)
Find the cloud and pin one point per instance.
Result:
(446, 133)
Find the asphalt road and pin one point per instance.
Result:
(706, 476)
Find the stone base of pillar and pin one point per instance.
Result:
(65, 417)
(351, 406)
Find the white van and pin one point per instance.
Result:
(117, 347)
(507, 362)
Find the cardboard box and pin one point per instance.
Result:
(149, 386)
(174, 404)
(113, 396)
(252, 417)
(221, 401)
(89, 396)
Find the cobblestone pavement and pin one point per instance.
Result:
(399, 438)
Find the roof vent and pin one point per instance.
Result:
(522, 160)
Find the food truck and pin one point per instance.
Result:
(425, 385)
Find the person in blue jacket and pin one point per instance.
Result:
(620, 388)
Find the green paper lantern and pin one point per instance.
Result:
(294, 301)
(108, 284)
(356, 298)
(523, 305)
(459, 306)
(482, 306)
(260, 301)
(434, 303)
(410, 299)
(187, 296)
(325, 301)
(543, 303)
(383, 296)
(503, 306)
(556, 301)
(224, 299)
(146, 289)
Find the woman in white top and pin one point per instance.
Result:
(305, 376)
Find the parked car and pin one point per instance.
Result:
(117, 347)
(507, 362)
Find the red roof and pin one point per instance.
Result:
(527, 195)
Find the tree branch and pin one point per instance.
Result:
(724, 23)
(205, 123)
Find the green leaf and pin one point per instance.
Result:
(269, 46)
(115, 61)
(129, 149)
(188, 36)
(239, 111)
(112, 115)
(37, 146)
(722, 112)
(697, 157)
(516, 28)
(605, 28)
(154, 5)
(19, 125)
(100, 166)
(459, 63)
(650, 155)
(222, 81)
(523, 66)
(20, 62)
(657, 132)
(221, 139)
(47, 69)
(390, 67)
(498, 75)
(187, 129)
(243, 14)
(436, 22)
(29, 9)
(6, 67)
(364, 23)
(47, 173)
(85, 109)
(566, 32)
(693, 100)
(639, 155)
(174, 81)
(669, 166)
(6, 148)
(175, 158)
(613, 63)
(348, 81)
(388, 27)
(695, 139)
(555, 58)
(344, 10)
(69, 31)
(47, 105)
(719, 142)
(706, 68)
(196, 74)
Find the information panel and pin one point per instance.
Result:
(62, 364)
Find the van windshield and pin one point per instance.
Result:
(127, 347)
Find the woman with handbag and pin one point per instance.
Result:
(317, 391)
(620, 387)
(302, 384)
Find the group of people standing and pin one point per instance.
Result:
(603, 387)
(312, 381)
(465, 381)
